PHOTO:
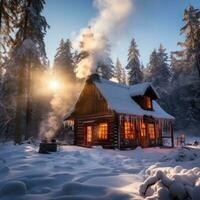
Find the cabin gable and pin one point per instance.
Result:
(91, 102)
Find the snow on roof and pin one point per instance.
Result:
(119, 98)
(140, 89)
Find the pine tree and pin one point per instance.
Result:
(135, 74)
(152, 66)
(8, 15)
(185, 68)
(124, 81)
(28, 53)
(63, 61)
(9, 10)
(158, 68)
(164, 71)
(191, 45)
(118, 71)
(105, 67)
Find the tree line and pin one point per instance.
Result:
(23, 61)
(176, 76)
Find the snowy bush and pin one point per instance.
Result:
(14, 188)
(171, 183)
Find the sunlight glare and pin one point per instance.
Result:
(54, 84)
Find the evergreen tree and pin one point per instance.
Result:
(8, 15)
(185, 95)
(158, 68)
(28, 54)
(124, 75)
(9, 10)
(152, 66)
(191, 45)
(135, 74)
(105, 67)
(118, 71)
(63, 61)
(164, 71)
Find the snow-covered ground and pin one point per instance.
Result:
(80, 173)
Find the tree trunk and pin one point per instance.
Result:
(1, 9)
(18, 134)
(21, 74)
(198, 64)
(28, 104)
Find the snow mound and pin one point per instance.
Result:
(14, 188)
(171, 183)
(183, 154)
(4, 170)
(80, 191)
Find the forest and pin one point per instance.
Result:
(30, 101)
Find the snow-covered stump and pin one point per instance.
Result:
(14, 188)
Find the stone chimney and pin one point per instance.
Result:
(93, 77)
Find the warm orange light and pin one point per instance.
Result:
(103, 131)
(129, 130)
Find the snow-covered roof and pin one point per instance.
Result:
(140, 89)
(119, 99)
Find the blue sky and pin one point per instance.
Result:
(151, 22)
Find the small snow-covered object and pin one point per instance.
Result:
(14, 188)
(195, 143)
(177, 190)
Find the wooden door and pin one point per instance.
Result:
(88, 135)
(143, 135)
(151, 133)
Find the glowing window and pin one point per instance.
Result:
(103, 131)
(129, 130)
(151, 131)
(89, 133)
(143, 130)
(148, 103)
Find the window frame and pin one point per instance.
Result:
(131, 128)
(102, 126)
(150, 133)
(147, 103)
(89, 133)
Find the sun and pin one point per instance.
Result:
(54, 85)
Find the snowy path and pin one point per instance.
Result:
(77, 173)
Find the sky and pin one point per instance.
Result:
(151, 22)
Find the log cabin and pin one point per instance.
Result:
(114, 115)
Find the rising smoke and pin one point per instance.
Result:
(111, 17)
(113, 14)
(61, 102)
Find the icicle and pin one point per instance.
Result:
(120, 119)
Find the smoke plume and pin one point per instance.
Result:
(60, 103)
(111, 17)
